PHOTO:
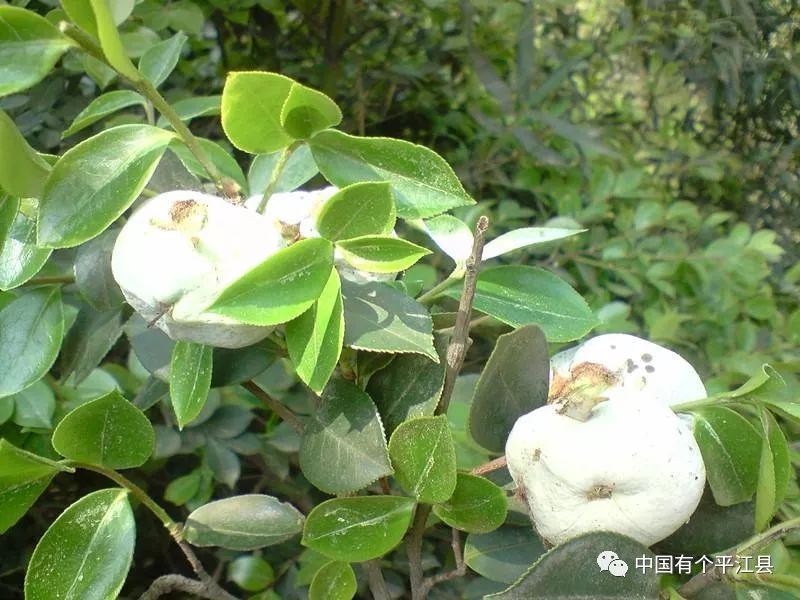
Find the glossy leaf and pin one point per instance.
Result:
(452, 235)
(20, 258)
(358, 528)
(380, 254)
(31, 331)
(774, 471)
(358, 210)
(334, 581)
(35, 406)
(251, 573)
(281, 288)
(731, 449)
(191, 108)
(524, 237)
(30, 46)
(503, 554)
(423, 454)
(521, 295)
(110, 40)
(423, 183)
(103, 106)
(314, 339)
(220, 157)
(160, 60)
(24, 176)
(235, 366)
(93, 183)
(108, 432)
(343, 447)
(298, 169)
(380, 318)
(88, 341)
(86, 552)
(514, 382)
(93, 274)
(476, 506)
(190, 380)
(243, 522)
(306, 111)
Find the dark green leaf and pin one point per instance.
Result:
(333, 581)
(358, 210)
(380, 254)
(477, 505)
(190, 380)
(504, 554)
(306, 111)
(223, 462)
(235, 366)
(159, 61)
(20, 258)
(102, 106)
(93, 271)
(220, 157)
(88, 341)
(24, 176)
(774, 471)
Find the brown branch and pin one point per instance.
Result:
(166, 584)
(488, 467)
(275, 406)
(414, 550)
(459, 571)
(377, 584)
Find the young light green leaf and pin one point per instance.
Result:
(281, 288)
(35, 406)
(298, 169)
(243, 522)
(520, 295)
(423, 183)
(503, 554)
(731, 449)
(526, 236)
(514, 382)
(29, 48)
(476, 506)
(102, 106)
(423, 454)
(306, 111)
(24, 176)
(110, 41)
(190, 108)
(108, 432)
(86, 552)
(159, 61)
(359, 528)
(190, 380)
(23, 478)
(380, 254)
(20, 258)
(343, 448)
(251, 573)
(774, 471)
(314, 339)
(360, 209)
(93, 183)
(31, 331)
(380, 318)
(220, 157)
(334, 581)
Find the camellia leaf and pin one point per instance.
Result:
(86, 552)
(423, 454)
(29, 48)
(343, 448)
(282, 287)
(31, 331)
(423, 183)
(251, 573)
(314, 339)
(220, 157)
(520, 295)
(526, 236)
(93, 274)
(102, 106)
(88, 341)
(20, 257)
(731, 449)
(23, 478)
(160, 60)
(298, 168)
(358, 528)
(306, 111)
(774, 471)
(243, 522)
(24, 176)
(108, 432)
(380, 318)
(380, 254)
(190, 380)
(35, 406)
(110, 41)
(503, 554)
(514, 382)
(476, 506)
(190, 108)
(334, 581)
(451, 235)
(571, 572)
(93, 183)
(357, 210)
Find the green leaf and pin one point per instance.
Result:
(108, 432)
(380, 254)
(357, 529)
(251, 573)
(298, 168)
(380, 318)
(774, 471)
(521, 295)
(504, 554)
(93, 274)
(237, 365)
(223, 462)
(110, 41)
(343, 448)
(220, 157)
(181, 490)
(514, 382)
(31, 331)
(334, 581)
(160, 60)
(190, 380)
(29, 48)
(358, 210)
(35, 406)
(88, 341)
(476, 506)
(24, 176)
(101, 107)
(190, 108)
(570, 572)
(451, 235)
(23, 478)
(243, 522)
(306, 111)
(281, 288)
(423, 454)
(731, 449)
(20, 258)
(314, 339)
(526, 236)
(423, 183)
(93, 183)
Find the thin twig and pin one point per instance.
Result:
(414, 550)
(488, 467)
(167, 584)
(459, 571)
(275, 406)
(377, 584)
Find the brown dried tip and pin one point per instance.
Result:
(577, 396)
(231, 189)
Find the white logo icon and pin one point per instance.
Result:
(611, 562)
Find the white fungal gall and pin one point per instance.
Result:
(177, 253)
(633, 467)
